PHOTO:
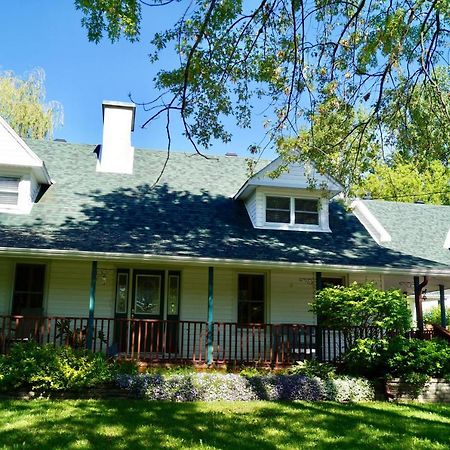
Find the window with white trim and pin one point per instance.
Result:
(292, 211)
(9, 191)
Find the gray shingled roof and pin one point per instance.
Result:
(189, 213)
(417, 229)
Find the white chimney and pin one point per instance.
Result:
(117, 154)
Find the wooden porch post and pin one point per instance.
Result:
(210, 315)
(319, 350)
(90, 327)
(442, 304)
(418, 301)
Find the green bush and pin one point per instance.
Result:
(313, 368)
(31, 366)
(362, 305)
(408, 359)
(433, 315)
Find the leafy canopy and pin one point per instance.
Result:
(362, 305)
(345, 84)
(23, 106)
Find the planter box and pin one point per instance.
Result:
(435, 390)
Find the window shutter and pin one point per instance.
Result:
(9, 191)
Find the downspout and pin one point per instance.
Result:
(418, 301)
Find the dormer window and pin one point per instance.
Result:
(9, 191)
(292, 211)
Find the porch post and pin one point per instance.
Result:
(319, 351)
(418, 301)
(210, 315)
(442, 304)
(90, 327)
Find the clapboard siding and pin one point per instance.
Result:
(68, 288)
(6, 277)
(225, 292)
(250, 204)
(194, 294)
(366, 278)
(291, 293)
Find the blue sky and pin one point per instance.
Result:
(80, 74)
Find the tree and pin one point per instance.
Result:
(309, 60)
(23, 106)
(404, 181)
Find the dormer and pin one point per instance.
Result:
(295, 200)
(22, 173)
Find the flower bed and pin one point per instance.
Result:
(233, 387)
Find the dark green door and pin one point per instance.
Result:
(147, 303)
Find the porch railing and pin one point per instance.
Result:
(165, 341)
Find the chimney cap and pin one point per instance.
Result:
(116, 104)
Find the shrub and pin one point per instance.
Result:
(362, 305)
(433, 315)
(233, 387)
(31, 366)
(313, 368)
(408, 359)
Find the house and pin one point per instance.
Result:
(209, 264)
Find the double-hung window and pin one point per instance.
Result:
(292, 211)
(251, 298)
(9, 191)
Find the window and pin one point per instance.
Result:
(173, 294)
(29, 290)
(278, 209)
(9, 191)
(292, 211)
(122, 292)
(306, 211)
(251, 296)
(333, 281)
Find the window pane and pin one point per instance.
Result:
(278, 216)
(278, 203)
(307, 218)
(251, 298)
(148, 294)
(28, 289)
(122, 293)
(173, 295)
(302, 204)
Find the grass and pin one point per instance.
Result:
(114, 424)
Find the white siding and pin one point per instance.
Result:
(194, 294)
(290, 296)
(297, 176)
(225, 295)
(12, 149)
(366, 278)
(68, 288)
(250, 204)
(6, 282)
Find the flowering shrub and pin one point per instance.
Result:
(233, 387)
(348, 389)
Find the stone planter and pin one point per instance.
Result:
(435, 390)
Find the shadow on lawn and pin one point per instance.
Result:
(138, 424)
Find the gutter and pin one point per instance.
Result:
(224, 262)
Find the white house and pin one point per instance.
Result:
(209, 264)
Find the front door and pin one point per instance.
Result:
(147, 303)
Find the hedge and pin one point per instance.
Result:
(232, 387)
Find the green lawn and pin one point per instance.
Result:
(258, 425)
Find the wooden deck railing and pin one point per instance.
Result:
(165, 341)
